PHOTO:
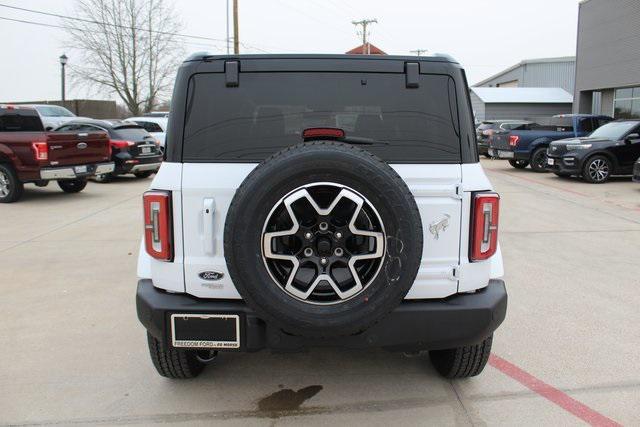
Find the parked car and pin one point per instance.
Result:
(636, 171)
(529, 147)
(292, 209)
(610, 150)
(487, 128)
(29, 154)
(156, 126)
(134, 150)
(52, 116)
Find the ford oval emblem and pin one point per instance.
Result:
(82, 145)
(211, 275)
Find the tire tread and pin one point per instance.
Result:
(462, 362)
(173, 363)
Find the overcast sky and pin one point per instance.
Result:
(484, 36)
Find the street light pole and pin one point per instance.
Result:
(63, 62)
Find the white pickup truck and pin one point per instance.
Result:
(320, 200)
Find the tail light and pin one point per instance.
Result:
(513, 140)
(121, 144)
(484, 225)
(40, 150)
(322, 133)
(158, 234)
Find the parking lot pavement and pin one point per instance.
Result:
(74, 353)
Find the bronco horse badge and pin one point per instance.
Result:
(440, 225)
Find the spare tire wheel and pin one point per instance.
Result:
(323, 239)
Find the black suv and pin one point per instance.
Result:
(133, 149)
(610, 150)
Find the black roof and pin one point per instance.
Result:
(436, 57)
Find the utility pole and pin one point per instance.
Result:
(228, 27)
(236, 36)
(418, 52)
(366, 50)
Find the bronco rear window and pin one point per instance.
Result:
(269, 111)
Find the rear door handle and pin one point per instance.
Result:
(208, 238)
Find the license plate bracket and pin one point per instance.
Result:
(81, 169)
(189, 330)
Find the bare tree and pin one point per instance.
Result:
(126, 47)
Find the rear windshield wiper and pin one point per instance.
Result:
(360, 140)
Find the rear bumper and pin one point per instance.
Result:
(137, 164)
(73, 172)
(145, 167)
(500, 153)
(458, 320)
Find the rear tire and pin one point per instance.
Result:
(519, 164)
(462, 362)
(11, 188)
(172, 362)
(143, 175)
(72, 185)
(539, 160)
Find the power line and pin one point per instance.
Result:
(90, 21)
(43, 24)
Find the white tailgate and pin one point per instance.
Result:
(211, 187)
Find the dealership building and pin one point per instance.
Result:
(608, 58)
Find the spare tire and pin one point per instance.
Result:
(323, 239)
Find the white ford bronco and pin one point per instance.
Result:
(320, 200)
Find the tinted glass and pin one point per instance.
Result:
(54, 111)
(131, 133)
(150, 126)
(560, 124)
(269, 111)
(586, 125)
(20, 121)
(624, 93)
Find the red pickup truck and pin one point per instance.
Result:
(29, 154)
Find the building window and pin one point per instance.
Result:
(626, 103)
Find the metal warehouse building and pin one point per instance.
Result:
(544, 72)
(608, 58)
(494, 103)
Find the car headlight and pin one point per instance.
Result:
(578, 147)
